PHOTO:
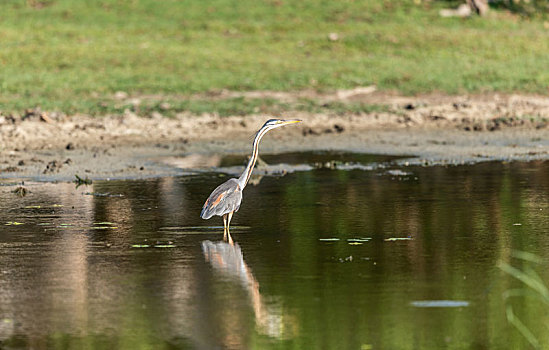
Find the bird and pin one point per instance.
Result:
(226, 198)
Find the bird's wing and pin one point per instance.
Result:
(224, 199)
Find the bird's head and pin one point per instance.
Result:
(276, 123)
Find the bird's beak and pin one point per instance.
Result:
(291, 121)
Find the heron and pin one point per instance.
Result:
(226, 198)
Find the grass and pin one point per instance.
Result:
(241, 106)
(72, 56)
(532, 286)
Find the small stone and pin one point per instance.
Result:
(51, 167)
(45, 118)
(309, 131)
(338, 128)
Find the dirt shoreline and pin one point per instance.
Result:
(435, 129)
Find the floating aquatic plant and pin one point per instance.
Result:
(80, 181)
(359, 240)
(43, 206)
(394, 239)
(439, 303)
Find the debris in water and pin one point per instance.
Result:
(140, 246)
(355, 243)
(345, 259)
(517, 224)
(398, 172)
(98, 194)
(327, 165)
(21, 191)
(348, 259)
(328, 239)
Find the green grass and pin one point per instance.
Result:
(71, 56)
(532, 287)
(241, 106)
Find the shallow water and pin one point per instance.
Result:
(324, 259)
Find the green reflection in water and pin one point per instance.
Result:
(79, 287)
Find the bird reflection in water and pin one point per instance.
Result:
(226, 258)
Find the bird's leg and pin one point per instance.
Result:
(225, 228)
(231, 242)
(229, 238)
(229, 220)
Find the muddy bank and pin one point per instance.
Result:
(436, 129)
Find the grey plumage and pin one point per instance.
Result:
(224, 199)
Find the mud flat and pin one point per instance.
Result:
(430, 130)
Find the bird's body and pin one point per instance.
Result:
(225, 199)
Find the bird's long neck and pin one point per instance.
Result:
(243, 179)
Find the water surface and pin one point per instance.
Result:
(323, 259)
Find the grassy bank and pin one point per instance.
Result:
(73, 55)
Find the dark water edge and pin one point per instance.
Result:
(324, 259)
